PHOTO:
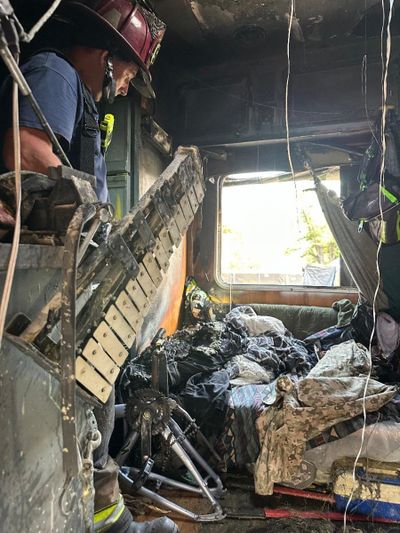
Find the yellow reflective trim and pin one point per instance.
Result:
(119, 514)
(109, 522)
(104, 513)
(109, 515)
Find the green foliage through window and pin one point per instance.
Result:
(320, 246)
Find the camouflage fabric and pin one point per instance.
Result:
(309, 407)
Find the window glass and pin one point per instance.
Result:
(273, 232)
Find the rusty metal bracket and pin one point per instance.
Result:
(122, 252)
(104, 215)
(175, 209)
(167, 217)
(145, 239)
(139, 224)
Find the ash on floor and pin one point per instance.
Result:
(244, 510)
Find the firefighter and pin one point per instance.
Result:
(118, 42)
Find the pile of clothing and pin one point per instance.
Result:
(337, 389)
(269, 399)
(206, 359)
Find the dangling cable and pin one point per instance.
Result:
(289, 151)
(17, 230)
(230, 292)
(43, 19)
(385, 69)
(364, 74)
(364, 90)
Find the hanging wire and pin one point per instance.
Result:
(17, 230)
(230, 291)
(364, 73)
(385, 68)
(364, 90)
(27, 37)
(5, 298)
(289, 151)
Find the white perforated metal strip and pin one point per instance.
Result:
(106, 350)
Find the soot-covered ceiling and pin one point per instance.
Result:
(219, 29)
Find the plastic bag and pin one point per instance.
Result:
(381, 443)
(245, 317)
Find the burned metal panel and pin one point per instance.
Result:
(140, 233)
(113, 312)
(220, 106)
(151, 165)
(325, 92)
(33, 256)
(335, 94)
(328, 72)
(315, 19)
(32, 495)
(36, 279)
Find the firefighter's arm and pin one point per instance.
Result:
(36, 151)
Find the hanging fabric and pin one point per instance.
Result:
(357, 249)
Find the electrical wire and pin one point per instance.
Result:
(364, 76)
(230, 292)
(364, 73)
(27, 37)
(364, 90)
(385, 68)
(289, 151)
(5, 298)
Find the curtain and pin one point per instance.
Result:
(358, 250)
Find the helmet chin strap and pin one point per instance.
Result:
(109, 81)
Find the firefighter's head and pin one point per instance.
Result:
(122, 39)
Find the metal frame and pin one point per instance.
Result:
(132, 258)
(342, 290)
(133, 479)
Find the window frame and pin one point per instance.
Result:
(260, 287)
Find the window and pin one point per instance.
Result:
(272, 231)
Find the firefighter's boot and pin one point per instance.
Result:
(118, 519)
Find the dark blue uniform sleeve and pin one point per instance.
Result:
(57, 93)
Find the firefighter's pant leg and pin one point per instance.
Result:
(108, 503)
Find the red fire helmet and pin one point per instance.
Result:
(136, 31)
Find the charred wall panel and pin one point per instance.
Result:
(244, 100)
(222, 107)
(334, 95)
(32, 491)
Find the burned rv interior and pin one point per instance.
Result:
(199, 257)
